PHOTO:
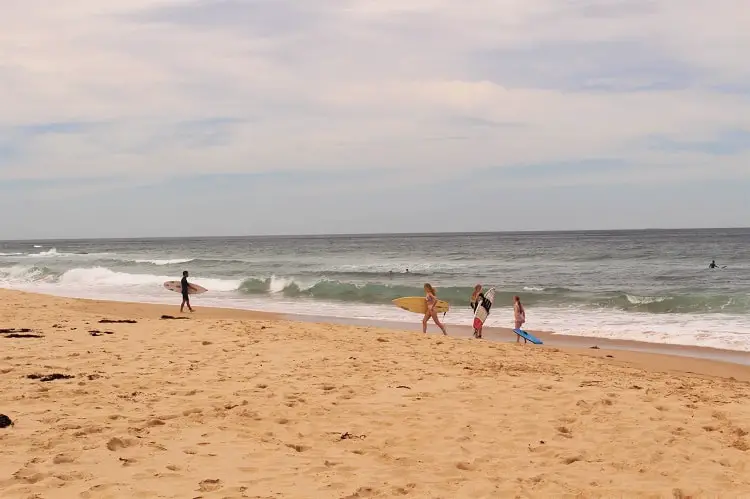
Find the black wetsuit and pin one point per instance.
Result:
(475, 304)
(185, 288)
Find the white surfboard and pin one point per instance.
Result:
(483, 309)
(176, 286)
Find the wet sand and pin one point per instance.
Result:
(231, 403)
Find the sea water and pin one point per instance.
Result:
(650, 286)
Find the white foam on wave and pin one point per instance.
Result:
(52, 252)
(173, 261)
(724, 331)
(100, 277)
(645, 300)
(278, 284)
(99, 280)
(19, 274)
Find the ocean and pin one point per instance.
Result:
(652, 286)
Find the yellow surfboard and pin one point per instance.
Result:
(417, 304)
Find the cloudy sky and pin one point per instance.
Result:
(224, 117)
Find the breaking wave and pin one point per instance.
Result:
(315, 287)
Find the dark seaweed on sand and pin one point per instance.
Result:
(49, 377)
(19, 333)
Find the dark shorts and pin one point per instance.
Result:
(185, 296)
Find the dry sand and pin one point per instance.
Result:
(232, 404)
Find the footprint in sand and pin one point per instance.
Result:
(63, 459)
(298, 448)
(29, 476)
(209, 485)
(117, 444)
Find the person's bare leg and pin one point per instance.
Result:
(424, 322)
(439, 324)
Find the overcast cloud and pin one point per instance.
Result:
(153, 117)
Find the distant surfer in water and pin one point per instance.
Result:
(712, 265)
(477, 297)
(186, 287)
(519, 316)
(430, 298)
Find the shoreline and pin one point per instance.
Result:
(703, 360)
(551, 339)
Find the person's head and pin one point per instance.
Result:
(516, 299)
(184, 273)
(477, 288)
(429, 289)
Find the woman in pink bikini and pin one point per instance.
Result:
(519, 316)
(430, 297)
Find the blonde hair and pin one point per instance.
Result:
(428, 287)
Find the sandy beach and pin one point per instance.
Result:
(230, 404)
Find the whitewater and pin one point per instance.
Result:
(649, 286)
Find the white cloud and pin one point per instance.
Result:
(419, 84)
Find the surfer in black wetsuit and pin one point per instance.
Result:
(476, 297)
(186, 287)
(712, 265)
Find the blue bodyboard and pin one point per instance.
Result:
(526, 336)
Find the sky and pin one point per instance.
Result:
(135, 118)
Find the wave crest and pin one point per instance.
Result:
(160, 263)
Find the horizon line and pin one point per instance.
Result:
(373, 234)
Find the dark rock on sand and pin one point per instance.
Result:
(5, 421)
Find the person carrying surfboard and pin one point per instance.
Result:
(186, 287)
(430, 299)
(476, 299)
(519, 316)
